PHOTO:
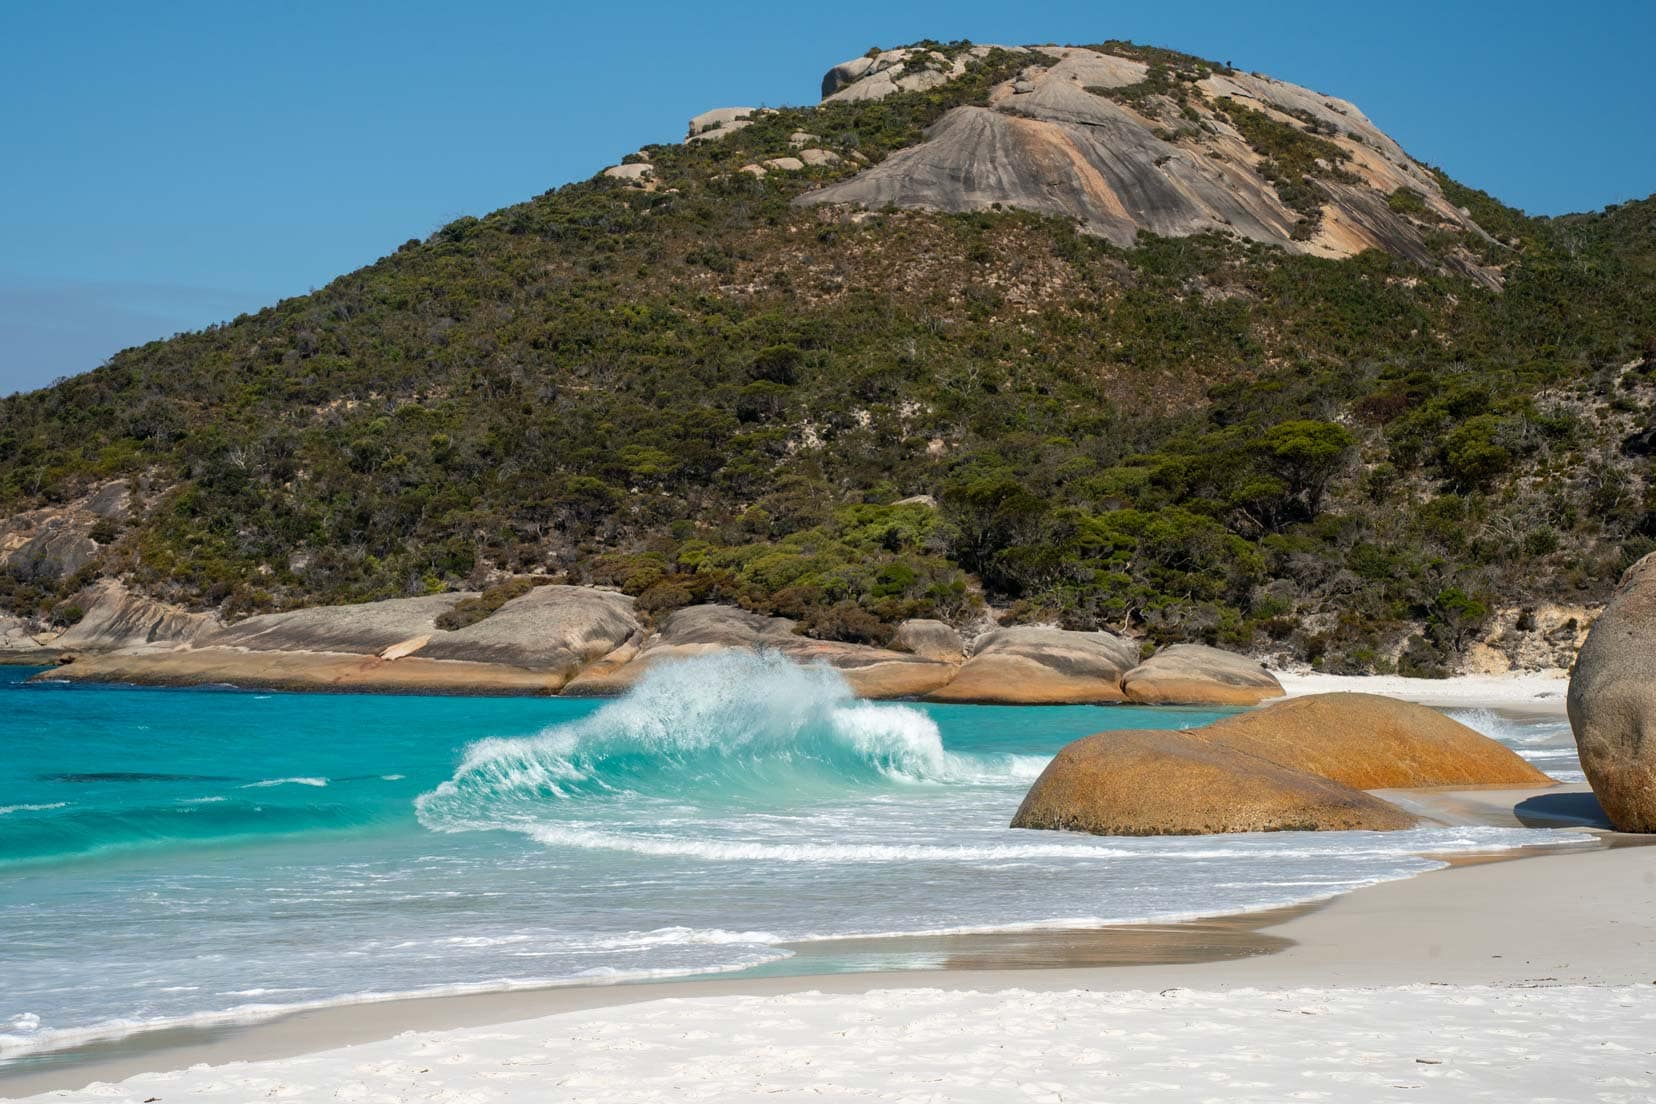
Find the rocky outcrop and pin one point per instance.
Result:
(1612, 702)
(1026, 665)
(583, 641)
(633, 171)
(367, 628)
(531, 644)
(1371, 742)
(555, 629)
(882, 73)
(1084, 134)
(18, 643)
(699, 630)
(1137, 783)
(871, 672)
(1194, 674)
(692, 631)
(303, 670)
(116, 618)
(930, 640)
(53, 543)
(56, 552)
(721, 122)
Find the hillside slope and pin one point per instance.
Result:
(709, 374)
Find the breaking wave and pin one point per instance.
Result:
(727, 728)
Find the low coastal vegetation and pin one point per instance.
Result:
(701, 392)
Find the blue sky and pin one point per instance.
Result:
(168, 165)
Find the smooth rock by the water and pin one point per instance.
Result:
(17, 643)
(876, 673)
(700, 630)
(1371, 742)
(1153, 782)
(1612, 702)
(930, 639)
(1195, 674)
(691, 631)
(366, 628)
(1025, 665)
(556, 629)
(117, 618)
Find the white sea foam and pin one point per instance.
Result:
(268, 782)
(708, 729)
(1331, 846)
(7, 810)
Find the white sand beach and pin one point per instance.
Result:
(1532, 979)
(1519, 691)
(1523, 980)
(1557, 1044)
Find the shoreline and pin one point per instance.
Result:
(1268, 948)
(1532, 692)
(1276, 947)
(307, 672)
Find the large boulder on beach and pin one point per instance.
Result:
(1372, 743)
(1195, 674)
(1612, 702)
(1146, 782)
(1026, 665)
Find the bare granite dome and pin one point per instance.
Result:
(1175, 147)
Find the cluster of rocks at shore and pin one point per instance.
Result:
(587, 641)
(1304, 763)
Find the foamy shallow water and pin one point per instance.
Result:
(173, 856)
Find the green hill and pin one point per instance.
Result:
(692, 387)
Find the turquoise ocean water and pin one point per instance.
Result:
(197, 856)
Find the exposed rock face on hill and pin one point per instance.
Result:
(1170, 146)
(1140, 783)
(905, 69)
(1612, 702)
(55, 542)
(1026, 665)
(1195, 674)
